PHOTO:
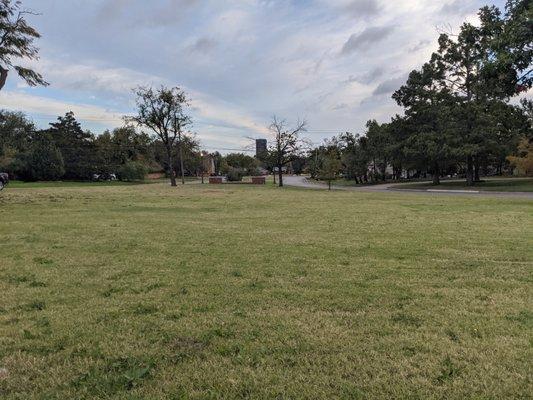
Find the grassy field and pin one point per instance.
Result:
(68, 184)
(496, 185)
(233, 292)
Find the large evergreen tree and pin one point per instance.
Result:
(76, 146)
(430, 140)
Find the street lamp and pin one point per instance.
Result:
(202, 166)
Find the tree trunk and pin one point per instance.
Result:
(436, 174)
(280, 176)
(329, 184)
(469, 171)
(3, 77)
(181, 161)
(476, 171)
(171, 171)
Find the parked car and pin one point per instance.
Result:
(4, 180)
(105, 177)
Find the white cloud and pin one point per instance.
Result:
(52, 108)
(240, 60)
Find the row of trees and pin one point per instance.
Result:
(421, 144)
(66, 151)
(458, 116)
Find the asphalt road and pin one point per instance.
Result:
(303, 182)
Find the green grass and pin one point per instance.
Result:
(497, 185)
(233, 292)
(70, 184)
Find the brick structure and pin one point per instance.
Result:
(258, 180)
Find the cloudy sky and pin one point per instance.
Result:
(333, 62)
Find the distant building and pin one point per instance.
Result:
(208, 164)
(260, 147)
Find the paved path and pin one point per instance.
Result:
(303, 182)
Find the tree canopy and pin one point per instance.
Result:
(17, 42)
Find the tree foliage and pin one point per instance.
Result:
(163, 111)
(17, 39)
(287, 144)
(43, 162)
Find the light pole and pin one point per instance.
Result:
(202, 166)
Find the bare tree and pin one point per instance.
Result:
(287, 144)
(16, 42)
(163, 111)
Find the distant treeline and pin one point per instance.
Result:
(65, 151)
(431, 145)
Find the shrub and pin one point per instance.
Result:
(235, 174)
(254, 171)
(132, 171)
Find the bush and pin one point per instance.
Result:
(132, 171)
(254, 171)
(42, 163)
(235, 174)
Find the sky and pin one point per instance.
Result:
(334, 63)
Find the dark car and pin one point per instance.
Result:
(4, 180)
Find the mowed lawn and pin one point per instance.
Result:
(494, 184)
(233, 292)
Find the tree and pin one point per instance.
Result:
(163, 111)
(378, 147)
(16, 133)
(16, 42)
(523, 161)
(247, 164)
(15, 130)
(76, 145)
(481, 66)
(132, 171)
(460, 62)
(330, 167)
(509, 37)
(122, 145)
(428, 135)
(287, 144)
(355, 156)
(43, 162)
(527, 111)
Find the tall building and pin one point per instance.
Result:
(260, 147)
